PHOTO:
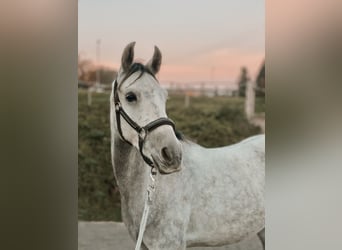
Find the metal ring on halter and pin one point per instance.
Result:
(142, 133)
(153, 172)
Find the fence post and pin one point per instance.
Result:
(250, 99)
(89, 96)
(187, 100)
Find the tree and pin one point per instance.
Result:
(107, 75)
(87, 71)
(260, 81)
(242, 82)
(84, 65)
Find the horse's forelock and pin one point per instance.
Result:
(135, 67)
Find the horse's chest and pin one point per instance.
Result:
(132, 206)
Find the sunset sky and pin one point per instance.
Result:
(199, 40)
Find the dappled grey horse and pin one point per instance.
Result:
(203, 196)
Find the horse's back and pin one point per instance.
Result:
(228, 191)
(245, 156)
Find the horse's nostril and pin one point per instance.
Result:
(165, 152)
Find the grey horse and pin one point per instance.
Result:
(203, 196)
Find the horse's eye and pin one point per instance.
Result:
(131, 97)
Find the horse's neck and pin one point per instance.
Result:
(129, 167)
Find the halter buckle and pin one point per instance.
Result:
(117, 106)
(153, 172)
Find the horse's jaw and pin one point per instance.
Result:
(168, 171)
(164, 170)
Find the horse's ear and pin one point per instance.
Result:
(127, 56)
(155, 62)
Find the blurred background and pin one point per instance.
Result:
(213, 68)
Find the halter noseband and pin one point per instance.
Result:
(142, 131)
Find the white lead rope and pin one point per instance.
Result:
(143, 221)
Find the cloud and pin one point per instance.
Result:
(220, 64)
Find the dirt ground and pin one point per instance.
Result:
(114, 236)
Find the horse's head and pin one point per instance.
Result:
(140, 115)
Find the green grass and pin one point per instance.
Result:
(260, 105)
(211, 122)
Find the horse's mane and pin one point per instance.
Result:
(179, 135)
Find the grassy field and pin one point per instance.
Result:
(211, 122)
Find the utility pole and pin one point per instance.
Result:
(98, 51)
(97, 84)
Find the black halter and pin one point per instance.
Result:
(142, 131)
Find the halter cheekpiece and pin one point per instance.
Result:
(142, 131)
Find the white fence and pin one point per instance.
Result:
(202, 88)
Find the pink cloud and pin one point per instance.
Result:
(223, 64)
